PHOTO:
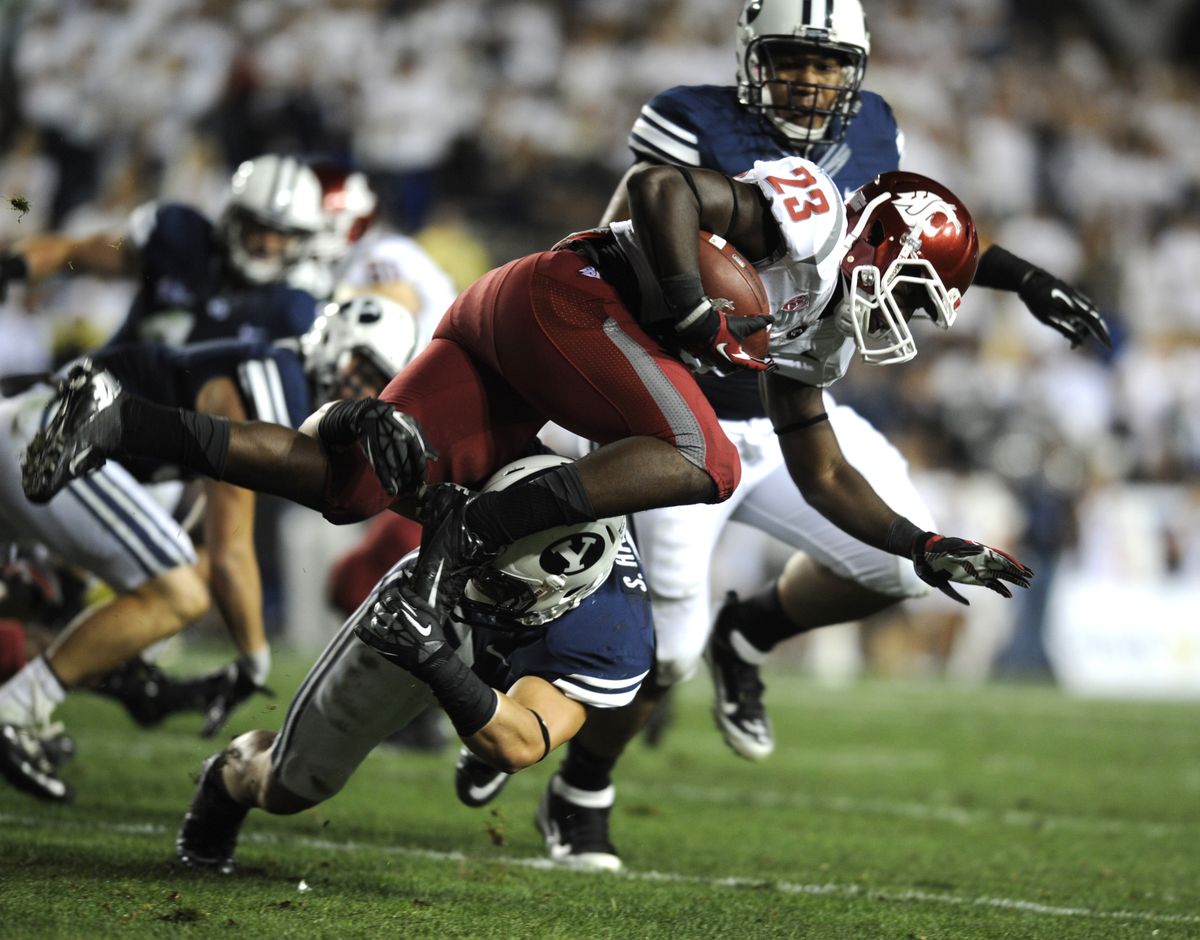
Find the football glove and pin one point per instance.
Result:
(393, 441)
(1061, 307)
(405, 629)
(12, 268)
(940, 560)
(224, 691)
(715, 339)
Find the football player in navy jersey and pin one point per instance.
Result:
(200, 280)
(554, 630)
(107, 523)
(800, 68)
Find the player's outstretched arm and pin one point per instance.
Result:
(43, 255)
(509, 731)
(1052, 300)
(841, 494)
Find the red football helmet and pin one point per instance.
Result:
(349, 205)
(911, 248)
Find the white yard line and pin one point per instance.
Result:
(544, 864)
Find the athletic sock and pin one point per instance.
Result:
(584, 770)
(555, 498)
(189, 439)
(30, 697)
(762, 623)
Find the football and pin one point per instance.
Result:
(725, 273)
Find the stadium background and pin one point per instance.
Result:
(1071, 129)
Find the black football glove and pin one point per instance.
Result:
(393, 441)
(1061, 307)
(224, 691)
(940, 560)
(405, 629)
(715, 338)
(12, 268)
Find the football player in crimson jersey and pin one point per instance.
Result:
(107, 523)
(593, 335)
(800, 68)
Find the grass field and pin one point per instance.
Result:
(889, 810)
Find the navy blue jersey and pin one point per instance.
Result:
(188, 293)
(597, 654)
(269, 376)
(705, 126)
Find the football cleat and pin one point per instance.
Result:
(73, 443)
(477, 783)
(146, 692)
(25, 763)
(209, 833)
(426, 733)
(221, 692)
(450, 551)
(738, 709)
(577, 834)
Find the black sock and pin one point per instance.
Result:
(189, 439)
(555, 498)
(762, 621)
(584, 770)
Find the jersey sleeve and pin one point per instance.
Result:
(667, 130)
(270, 379)
(599, 653)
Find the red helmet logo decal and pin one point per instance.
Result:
(919, 209)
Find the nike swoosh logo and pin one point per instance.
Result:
(1057, 294)
(437, 579)
(734, 356)
(485, 791)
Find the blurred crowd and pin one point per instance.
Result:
(493, 128)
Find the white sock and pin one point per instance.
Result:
(30, 697)
(257, 664)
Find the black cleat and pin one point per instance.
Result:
(144, 689)
(426, 733)
(738, 709)
(577, 835)
(83, 430)
(475, 782)
(222, 692)
(450, 552)
(209, 834)
(25, 763)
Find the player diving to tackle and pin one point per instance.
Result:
(556, 627)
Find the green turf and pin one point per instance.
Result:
(889, 810)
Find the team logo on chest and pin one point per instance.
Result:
(927, 212)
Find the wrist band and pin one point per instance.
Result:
(545, 735)
(901, 537)
(802, 424)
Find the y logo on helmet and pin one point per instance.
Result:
(920, 209)
(573, 554)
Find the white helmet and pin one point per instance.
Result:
(773, 33)
(544, 575)
(380, 330)
(281, 195)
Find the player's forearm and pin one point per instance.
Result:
(527, 725)
(269, 458)
(843, 496)
(49, 254)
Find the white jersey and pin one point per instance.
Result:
(806, 341)
(800, 283)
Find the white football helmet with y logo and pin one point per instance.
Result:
(544, 575)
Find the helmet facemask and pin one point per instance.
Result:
(879, 304)
(247, 242)
(809, 90)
